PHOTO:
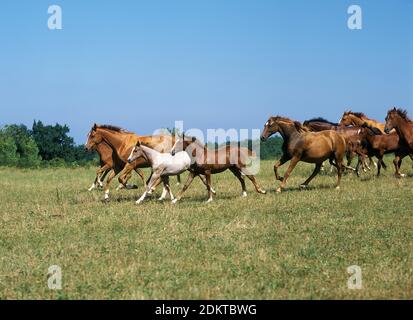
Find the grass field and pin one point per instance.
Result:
(294, 245)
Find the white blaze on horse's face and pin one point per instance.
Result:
(131, 154)
(87, 138)
(174, 146)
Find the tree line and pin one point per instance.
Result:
(51, 145)
(42, 145)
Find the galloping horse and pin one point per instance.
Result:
(398, 119)
(303, 145)
(206, 162)
(379, 144)
(163, 166)
(121, 142)
(351, 134)
(357, 119)
(108, 162)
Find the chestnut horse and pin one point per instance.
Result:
(398, 119)
(357, 119)
(206, 161)
(121, 142)
(351, 134)
(302, 145)
(379, 144)
(108, 162)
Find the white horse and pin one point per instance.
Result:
(163, 166)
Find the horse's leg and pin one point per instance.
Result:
(178, 178)
(165, 180)
(107, 184)
(191, 177)
(291, 167)
(154, 185)
(124, 176)
(371, 161)
(141, 175)
(315, 172)
(339, 165)
(164, 193)
(102, 177)
(254, 181)
(125, 179)
(397, 164)
(154, 179)
(208, 179)
(203, 179)
(379, 163)
(278, 164)
(237, 172)
(99, 172)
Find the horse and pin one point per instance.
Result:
(300, 144)
(379, 144)
(398, 119)
(350, 134)
(206, 161)
(121, 142)
(163, 166)
(108, 162)
(357, 119)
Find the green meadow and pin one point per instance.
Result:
(293, 245)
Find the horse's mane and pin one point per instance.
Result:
(112, 128)
(375, 130)
(320, 119)
(403, 114)
(360, 115)
(296, 124)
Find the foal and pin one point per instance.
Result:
(379, 144)
(206, 162)
(163, 165)
(302, 145)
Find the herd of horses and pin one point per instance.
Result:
(313, 141)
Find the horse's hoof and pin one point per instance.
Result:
(244, 194)
(303, 186)
(213, 191)
(160, 199)
(262, 191)
(401, 175)
(209, 200)
(278, 190)
(280, 179)
(138, 201)
(338, 188)
(174, 201)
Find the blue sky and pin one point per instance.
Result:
(211, 63)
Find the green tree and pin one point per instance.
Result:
(8, 154)
(26, 148)
(53, 141)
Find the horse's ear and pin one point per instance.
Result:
(94, 126)
(138, 143)
(193, 139)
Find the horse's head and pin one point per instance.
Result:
(346, 119)
(270, 127)
(181, 143)
(136, 153)
(93, 138)
(392, 118)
